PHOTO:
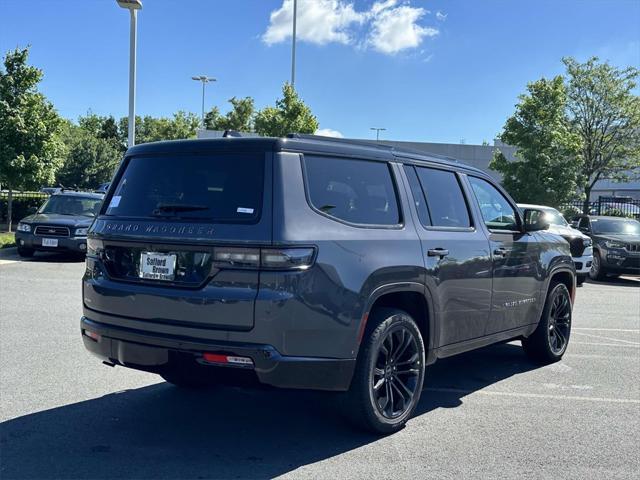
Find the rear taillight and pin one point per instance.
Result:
(294, 258)
(94, 247)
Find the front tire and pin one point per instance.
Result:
(597, 271)
(25, 252)
(580, 279)
(548, 343)
(389, 374)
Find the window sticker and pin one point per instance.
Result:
(115, 201)
(244, 210)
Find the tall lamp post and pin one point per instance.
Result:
(204, 79)
(378, 130)
(133, 6)
(293, 44)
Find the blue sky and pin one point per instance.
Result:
(426, 70)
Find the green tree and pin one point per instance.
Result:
(546, 169)
(91, 159)
(150, 129)
(290, 115)
(30, 148)
(239, 118)
(605, 113)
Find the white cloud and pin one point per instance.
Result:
(396, 29)
(441, 16)
(318, 21)
(328, 132)
(387, 26)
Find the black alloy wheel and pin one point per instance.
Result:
(396, 372)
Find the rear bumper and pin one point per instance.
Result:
(65, 244)
(155, 352)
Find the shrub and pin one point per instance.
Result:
(22, 204)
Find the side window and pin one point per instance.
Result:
(418, 195)
(584, 223)
(445, 200)
(497, 212)
(357, 191)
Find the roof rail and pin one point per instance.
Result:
(349, 141)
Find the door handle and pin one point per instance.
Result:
(501, 252)
(437, 252)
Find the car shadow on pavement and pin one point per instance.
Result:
(160, 431)
(625, 281)
(45, 257)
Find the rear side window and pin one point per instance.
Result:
(356, 191)
(214, 188)
(445, 200)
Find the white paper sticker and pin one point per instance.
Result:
(244, 210)
(115, 201)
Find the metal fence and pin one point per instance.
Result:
(618, 207)
(22, 205)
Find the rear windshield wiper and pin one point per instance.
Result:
(167, 208)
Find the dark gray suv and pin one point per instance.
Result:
(315, 263)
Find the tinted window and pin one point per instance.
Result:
(418, 195)
(616, 226)
(497, 212)
(72, 205)
(445, 200)
(356, 191)
(226, 188)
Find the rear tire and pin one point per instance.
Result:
(25, 252)
(389, 373)
(548, 343)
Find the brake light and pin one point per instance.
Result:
(94, 247)
(294, 258)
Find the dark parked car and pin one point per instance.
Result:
(59, 225)
(316, 263)
(616, 244)
(580, 244)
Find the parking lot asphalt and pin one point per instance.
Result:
(489, 413)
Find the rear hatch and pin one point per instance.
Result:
(152, 248)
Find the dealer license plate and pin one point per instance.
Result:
(49, 242)
(157, 266)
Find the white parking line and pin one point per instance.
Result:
(627, 330)
(600, 337)
(535, 395)
(604, 344)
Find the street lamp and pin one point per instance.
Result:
(293, 44)
(378, 130)
(133, 6)
(204, 79)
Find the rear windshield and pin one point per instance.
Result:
(221, 188)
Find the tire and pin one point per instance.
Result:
(548, 343)
(580, 279)
(597, 271)
(189, 377)
(386, 388)
(25, 252)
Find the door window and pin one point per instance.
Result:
(445, 201)
(356, 191)
(497, 212)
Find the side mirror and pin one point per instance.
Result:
(32, 210)
(535, 220)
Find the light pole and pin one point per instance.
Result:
(133, 6)
(378, 130)
(204, 79)
(293, 44)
